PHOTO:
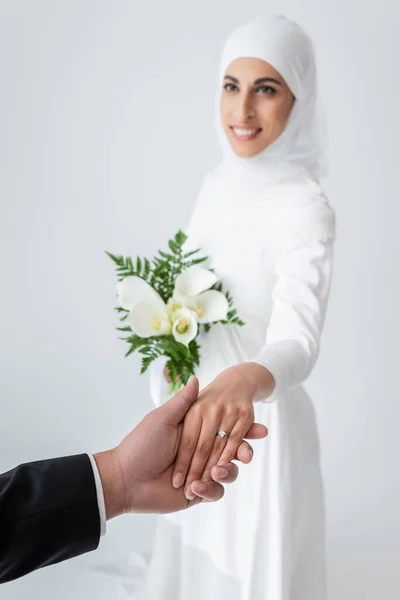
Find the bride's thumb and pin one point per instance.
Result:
(177, 407)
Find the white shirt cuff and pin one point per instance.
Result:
(100, 496)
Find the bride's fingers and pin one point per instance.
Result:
(166, 375)
(244, 453)
(235, 439)
(226, 474)
(210, 491)
(218, 447)
(190, 434)
(205, 446)
(256, 432)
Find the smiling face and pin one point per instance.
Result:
(255, 105)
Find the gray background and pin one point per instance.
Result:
(106, 113)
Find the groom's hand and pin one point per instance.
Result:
(136, 475)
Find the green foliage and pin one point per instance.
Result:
(182, 360)
(164, 268)
(126, 267)
(161, 274)
(168, 265)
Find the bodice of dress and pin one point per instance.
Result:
(247, 228)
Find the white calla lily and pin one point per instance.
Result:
(211, 306)
(184, 328)
(133, 290)
(149, 319)
(190, 302)
(194, 281)
(173, 305)
(148, 313)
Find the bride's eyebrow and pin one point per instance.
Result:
(267, 79)
(257, 81)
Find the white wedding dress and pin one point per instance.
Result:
(271, 246)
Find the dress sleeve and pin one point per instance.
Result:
(299, 300)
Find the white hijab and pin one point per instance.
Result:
(287, 48)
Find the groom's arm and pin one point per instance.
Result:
(49, 512)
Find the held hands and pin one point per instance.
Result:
(225, 405)
(136, 475)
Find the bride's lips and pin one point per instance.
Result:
(244, 134)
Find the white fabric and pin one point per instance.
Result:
(286, 47)
(269, 231)
(272, 247)
(100, 496)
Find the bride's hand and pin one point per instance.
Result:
(226, 404)
(167, 376)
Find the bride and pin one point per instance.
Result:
(269, 231)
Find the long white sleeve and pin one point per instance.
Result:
(300, 296)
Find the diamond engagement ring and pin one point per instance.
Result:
(222, 433)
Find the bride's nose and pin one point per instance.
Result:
(245, 108)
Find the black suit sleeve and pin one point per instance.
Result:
(48, 513)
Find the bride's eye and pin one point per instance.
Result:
(267, 90)
(230, 87)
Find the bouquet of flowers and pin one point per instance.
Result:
(165, 303)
